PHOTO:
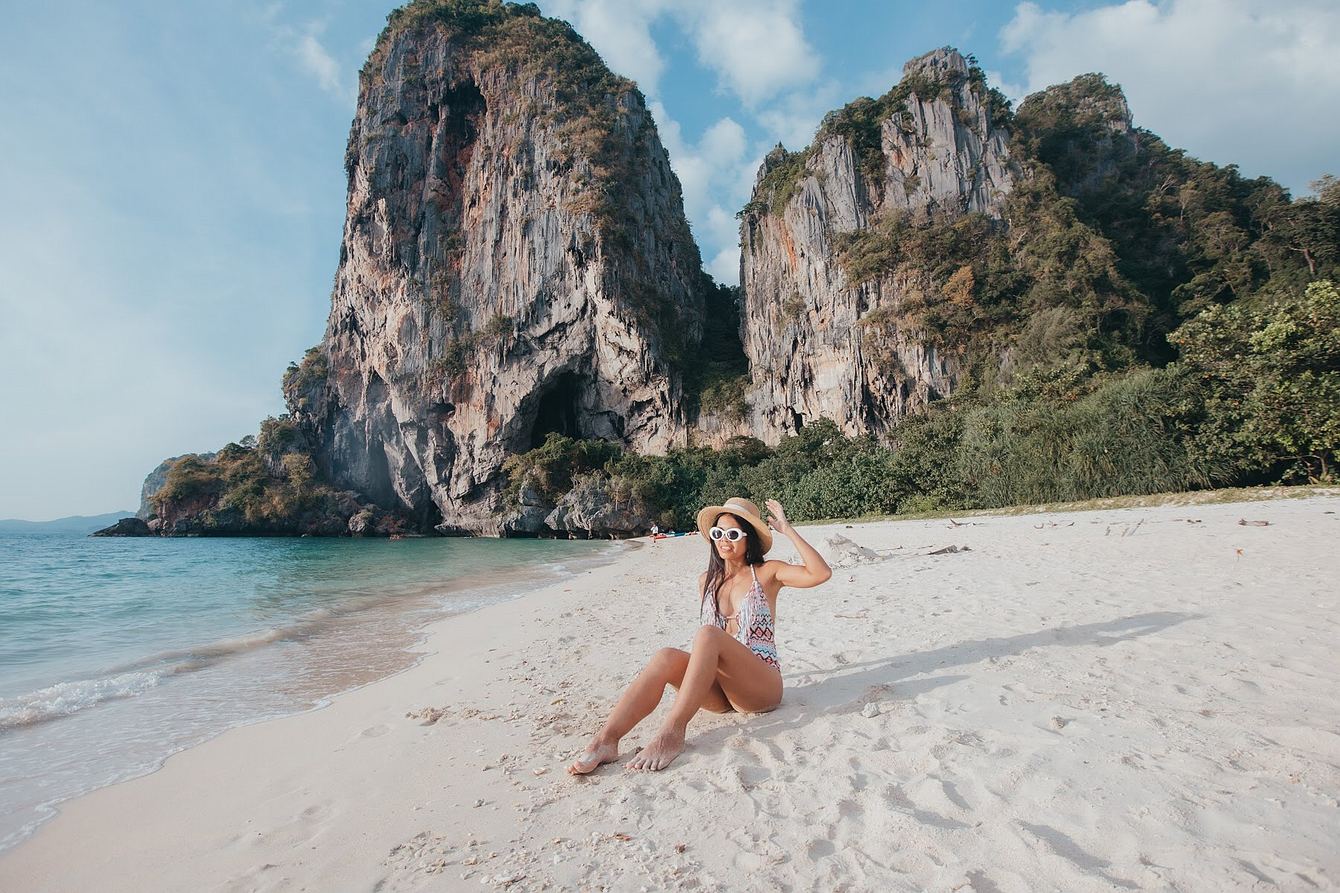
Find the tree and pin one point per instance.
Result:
(1269, 373)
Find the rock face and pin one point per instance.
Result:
(126, 527)
(595, 506)
(820, 342)
(515, 261)
(1084, 132)
(153, 482)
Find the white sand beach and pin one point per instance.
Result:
(1143, 698)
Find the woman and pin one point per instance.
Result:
(733, 665)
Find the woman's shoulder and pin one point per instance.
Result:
(770, 567)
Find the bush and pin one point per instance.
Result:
(269, 482)
(550, 468)
(304, 382)
(726, 398)
(279, 436)
(189, 478)
(819, 473)
(1268, 374)
(1125, 436)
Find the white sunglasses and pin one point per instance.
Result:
(730, 534)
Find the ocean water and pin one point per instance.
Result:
(116, 653)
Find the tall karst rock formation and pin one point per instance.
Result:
(515, 261)
(824, 338)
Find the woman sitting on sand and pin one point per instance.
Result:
(733, 665)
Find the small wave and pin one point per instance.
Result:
(197, 657)
(65, 698)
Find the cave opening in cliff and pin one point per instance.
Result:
(557, 411)
(462, 112)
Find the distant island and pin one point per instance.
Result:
(76, 524)
(945, 302)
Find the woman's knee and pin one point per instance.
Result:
(667, 659)
(708, 634)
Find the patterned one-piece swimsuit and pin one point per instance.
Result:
(755, 626)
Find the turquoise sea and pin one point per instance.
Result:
(115, 653)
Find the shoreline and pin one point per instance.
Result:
(1071, 700)
(398, 616)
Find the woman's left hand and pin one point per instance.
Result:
(777, 516)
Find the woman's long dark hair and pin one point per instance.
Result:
(716, 566)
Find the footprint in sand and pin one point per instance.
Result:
(981, 883)
(900, 800)
(819, 848)
(752, 776)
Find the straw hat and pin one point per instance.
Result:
(741, 508)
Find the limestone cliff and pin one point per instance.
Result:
(515, 261)
(154, 481)
(824, 339)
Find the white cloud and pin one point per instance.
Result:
(317, 62)
(725, 267)
(303, 44)
(794, 118)
(722, 226)
(710, 173)
(724, 139)
(1015, 93)
(758, 52)
(1245, 82)
(620, 30)
(757, 47)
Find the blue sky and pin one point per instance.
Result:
(172, 187)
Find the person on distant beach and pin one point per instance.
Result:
(733, 664)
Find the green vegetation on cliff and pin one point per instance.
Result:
(970, 283)
(304, 383)
(268, 483)
(1255, 399)
(1108, 241)
(1184, 234)
(717, 379)
(264, 484)
(860, 123)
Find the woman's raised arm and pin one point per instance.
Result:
(815, 569)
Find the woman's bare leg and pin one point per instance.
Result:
(642, 696)
(720, 661)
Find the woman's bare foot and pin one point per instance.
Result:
(597, 752)
(660, 752)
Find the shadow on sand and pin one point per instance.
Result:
(847, 688)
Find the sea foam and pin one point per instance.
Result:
(65, 698)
